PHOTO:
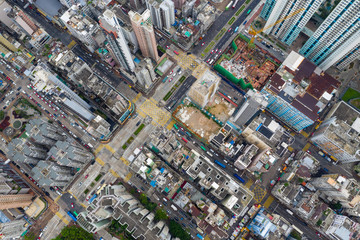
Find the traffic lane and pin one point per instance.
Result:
(52, 29)
(67, 201)
(143, 186)
(217, 26)
(64, 121)
(330, 166)
(181, 92)
(308, 232)
(228, 34)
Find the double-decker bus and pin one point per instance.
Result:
(239, 178)
(220, 164)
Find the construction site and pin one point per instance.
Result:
(220, 108)
(196, 121)
(247, 62)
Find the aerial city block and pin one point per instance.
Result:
(180, 119)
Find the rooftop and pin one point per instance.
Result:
(206, 81)
(300, 83)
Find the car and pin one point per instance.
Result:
(171, 72)
(212, 51)
(216, 50)
(308, 151)
(86, 176)
(220, 51)
(8, 78)
(208, 60)
(87, 198)
(72, 205)
(168, 47)
(317, 233)
(229, 29)
(203, 43)
(62, 116)
(52, 189)
(171, 79)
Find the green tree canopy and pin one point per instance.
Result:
(160, 214)
(74, 232)
(176, 230)
(2, 115)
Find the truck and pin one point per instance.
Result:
(234, 5)
(92, 198)
(164, 80)
(173, 207)
(289, 212)
(236, 29)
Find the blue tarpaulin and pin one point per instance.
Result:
(153, 183)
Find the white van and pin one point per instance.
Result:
(173, 207)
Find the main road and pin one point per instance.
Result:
(280, 209)
(221, 22)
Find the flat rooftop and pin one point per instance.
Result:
(207, 79)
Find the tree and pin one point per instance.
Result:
(295, 235)
(2, 115)
(335, 206)
(143, 199)
(160, 214)
(176, 230)
(30, 236)
(356, 168)
(74, 232)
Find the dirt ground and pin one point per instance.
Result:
(221, 6)
(194, 119)
(220, 108)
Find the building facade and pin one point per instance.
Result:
(117, 42)
(204, 89)
(81, 26)
(288, 30)
(297, 92)
(162, 13)
(337, 39)
(145, 34)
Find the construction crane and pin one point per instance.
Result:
(254, 32)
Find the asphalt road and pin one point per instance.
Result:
(180, 92)
(231, 34)
(293, 219)
(65, 202)
(219, 24)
